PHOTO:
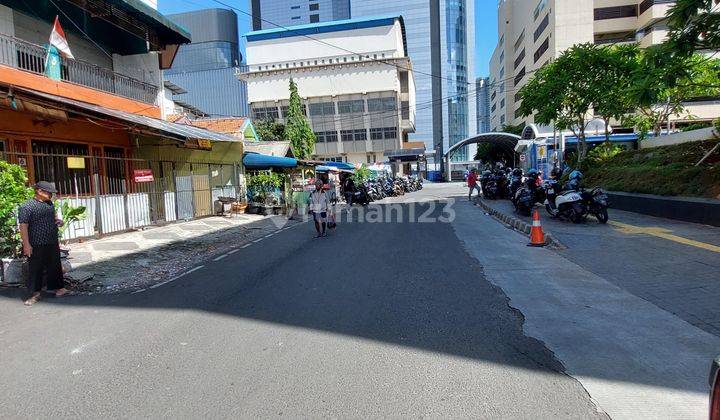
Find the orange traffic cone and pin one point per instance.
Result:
(537, 237)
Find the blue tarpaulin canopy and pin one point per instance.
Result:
(258, 161)
(340, 165)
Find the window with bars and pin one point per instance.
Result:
(314, 18)
(284, 110)
(351, 107)
(322, 108)
(326, 136)
(314, 6)
(265, 113)
(50, 164)
(385, 133)
(381, 104)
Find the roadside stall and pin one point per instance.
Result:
(268, 179)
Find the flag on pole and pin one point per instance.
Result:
(58, 39)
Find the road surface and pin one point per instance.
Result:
(449, 315)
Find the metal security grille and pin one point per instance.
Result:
(112, 188)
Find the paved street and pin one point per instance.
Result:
(451, 320)
(672, 264)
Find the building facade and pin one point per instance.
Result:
(205, 68)
(441, 43)
(359, 108)
(92, 124)
(270, 14)
(532, 33)
(482, 90)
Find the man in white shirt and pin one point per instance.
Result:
(319, 207)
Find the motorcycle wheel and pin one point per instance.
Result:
(576, 217)
(602, 216)
(553, 213)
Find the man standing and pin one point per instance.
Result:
(348, 189)
(39, 232)
(319, 207)
(472, 183)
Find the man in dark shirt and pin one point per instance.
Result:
(39, 231)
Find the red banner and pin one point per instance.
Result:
(143, 175)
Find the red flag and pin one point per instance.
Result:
(58, 39)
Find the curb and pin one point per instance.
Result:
(518, 224)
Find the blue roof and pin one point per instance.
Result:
(325, 27)
(340, 165)
(258, 161)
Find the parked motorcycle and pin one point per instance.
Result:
(529, 194)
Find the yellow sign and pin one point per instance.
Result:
(204, 144)
(541, 152)
(75, 162)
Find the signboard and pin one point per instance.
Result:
(75, 162)
(198, 144)
(204, 144)
(541, 151)
(522, 157)
(143, 175)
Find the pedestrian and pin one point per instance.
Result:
(349, 189)
(332, 202)
(319, 207)
(472, 183)
(39, 233)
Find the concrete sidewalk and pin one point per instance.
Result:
(669, 263)
(134, 260)
(635, 359)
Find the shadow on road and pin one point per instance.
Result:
(408, 283)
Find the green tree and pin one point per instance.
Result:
(611, 69)
(270, 130)
(663, 82)
(13, 192)
(513, 129)
(694, 25)
(562, 92)
(488, 152)
(297, 128)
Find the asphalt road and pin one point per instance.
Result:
(669, 263)
(378, 320)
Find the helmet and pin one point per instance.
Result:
(556, 172)
(517, 172)
(576, 175)
(486, 173)
(533, 173)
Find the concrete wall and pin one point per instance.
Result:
(6, 21)
(679, 138)
(376, 40)
(324, 81)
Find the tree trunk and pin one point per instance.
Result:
(607, 129)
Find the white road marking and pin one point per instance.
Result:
(177, 277)
(233, 251)
(138, 291)
(246, 245)
(220, 257)
(257, 240)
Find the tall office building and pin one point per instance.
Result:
(270, 14)
(482, 98)
(531, 33)
(205, 69)
(440, 38)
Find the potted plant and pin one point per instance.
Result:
(13, 192)
(263, 187)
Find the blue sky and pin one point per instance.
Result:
(485, 23)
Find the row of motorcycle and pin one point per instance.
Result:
(570, 201)
(382, 187)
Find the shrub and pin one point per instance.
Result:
(13, 192)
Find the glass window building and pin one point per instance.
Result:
(440, 39)
(206, 67)
(269, 14)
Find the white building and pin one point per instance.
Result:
(531, 33)
(354, 77)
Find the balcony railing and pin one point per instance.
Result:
(30, 57)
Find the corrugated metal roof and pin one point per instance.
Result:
(270, 148)
(230, 125)
(178, 131)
